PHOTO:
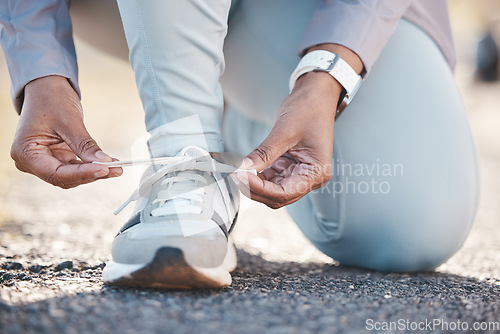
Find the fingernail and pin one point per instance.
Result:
(100, 173)
(116, 173)
(100, 155)
(246, 163)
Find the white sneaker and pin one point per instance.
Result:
(178, 236)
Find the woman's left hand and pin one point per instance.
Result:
(298, 151)
(296, 157)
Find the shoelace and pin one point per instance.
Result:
(179, 187)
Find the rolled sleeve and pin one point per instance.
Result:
(36, 36)
(364, 26)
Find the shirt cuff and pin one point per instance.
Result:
(363, 26)
(37, 40)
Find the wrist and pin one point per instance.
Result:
(319, 81)
(320, 90)
(51, 96)
(47, 83)
(343, 79)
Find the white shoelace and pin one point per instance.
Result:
(183, 187)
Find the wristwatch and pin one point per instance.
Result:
(326, 61)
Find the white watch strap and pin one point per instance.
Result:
(330, 62)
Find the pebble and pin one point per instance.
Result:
(12, 266)
(64, 265)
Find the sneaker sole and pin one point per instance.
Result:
(170, 270)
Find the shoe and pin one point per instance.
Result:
(179, 234)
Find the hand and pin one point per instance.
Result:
(51, 141)
(299, 148)
(296, 156)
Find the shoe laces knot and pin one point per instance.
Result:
(183, 186)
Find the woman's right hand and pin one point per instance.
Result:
(51, 141)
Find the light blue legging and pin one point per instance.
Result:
(404, 188)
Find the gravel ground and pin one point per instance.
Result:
(54, 243)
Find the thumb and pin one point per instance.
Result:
(266, 153)
(85, 147)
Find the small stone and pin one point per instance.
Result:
(13, 266)
(23, 277)
(36, 268)
(64, 265)
(9, 283)
(7, 277)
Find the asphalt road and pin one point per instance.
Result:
(55, 242)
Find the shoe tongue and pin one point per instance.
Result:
(193, 151)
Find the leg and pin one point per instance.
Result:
(419, 212)
(405, 185)
(178, 236)
(176, 52)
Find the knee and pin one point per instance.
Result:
(412, 239)
(418, 233)
(420, 237)
(408, 254)
(403, 246)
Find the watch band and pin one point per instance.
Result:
(331, 63)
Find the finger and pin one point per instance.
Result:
(114, 172)
(266, 201)
(282, 163)
(42, 164)
(267, 189)
(240, 178)
(248, 182)
(281, 168)
(84, 146)
(284, 192)
(68, 176)
(63, 153)
(243, 186)
(269, 173)
(277, 179)
(269, 202)
(268, 151)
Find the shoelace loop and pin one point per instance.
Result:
(170, 192)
